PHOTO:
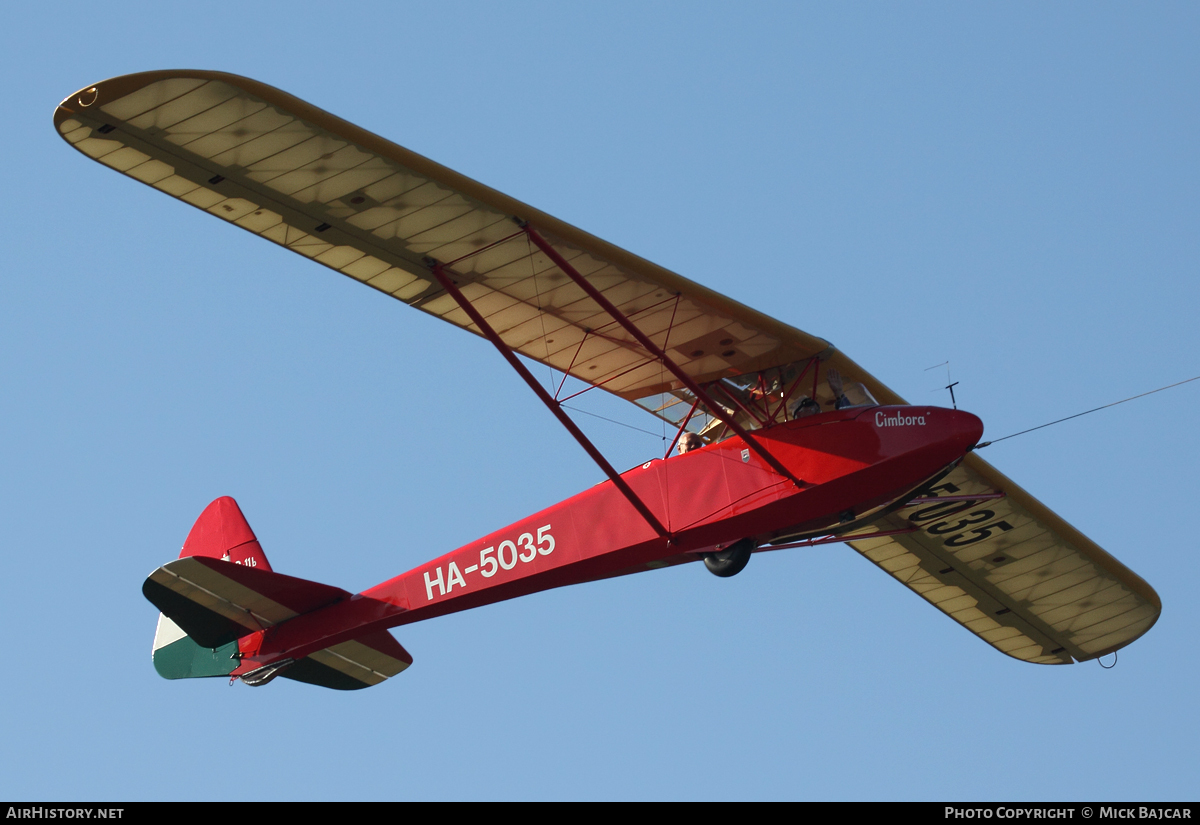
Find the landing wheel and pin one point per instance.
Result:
(730, 561)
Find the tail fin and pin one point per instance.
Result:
(221, 532)
(176, 656)
(209, 604)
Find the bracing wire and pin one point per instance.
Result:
(1077, 415)
(610, 420)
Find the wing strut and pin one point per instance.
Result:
(440, 272)
(717, 409)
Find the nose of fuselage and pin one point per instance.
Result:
(966, 429)
(908, 428)
(957, 429)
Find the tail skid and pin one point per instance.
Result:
(260, 676)
(220, 597)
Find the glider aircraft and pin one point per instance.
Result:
(783, 440)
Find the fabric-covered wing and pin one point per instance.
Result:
(1012, 572)
(376, 212)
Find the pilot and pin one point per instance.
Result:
(690, 441)
(805, 407)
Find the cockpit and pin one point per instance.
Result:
(758, 400)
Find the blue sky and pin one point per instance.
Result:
(1012, 188)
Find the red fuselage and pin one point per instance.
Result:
(850, 462)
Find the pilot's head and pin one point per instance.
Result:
(690, 441)
(805, 407)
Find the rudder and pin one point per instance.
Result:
(220, 532)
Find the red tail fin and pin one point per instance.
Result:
(222, 532)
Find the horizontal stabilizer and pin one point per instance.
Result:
(358, 663)
(217, 602)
